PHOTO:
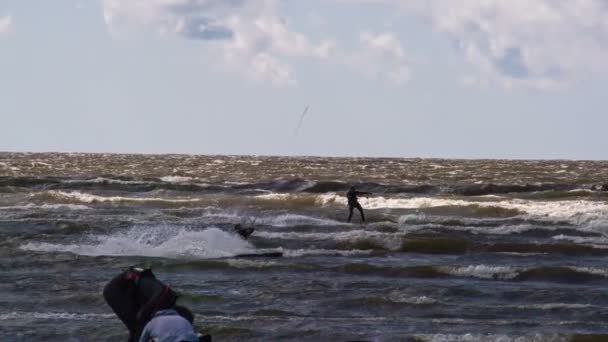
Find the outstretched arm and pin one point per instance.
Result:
(363, 193)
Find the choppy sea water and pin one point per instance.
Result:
(454, 250)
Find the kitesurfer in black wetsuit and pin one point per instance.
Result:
(137, 298)
(353, 203)
(243, 231)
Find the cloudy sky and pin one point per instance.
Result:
(404, 78)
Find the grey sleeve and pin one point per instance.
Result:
(145, 335)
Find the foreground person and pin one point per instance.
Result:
(147, 308)
(170, 325)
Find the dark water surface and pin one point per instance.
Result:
(454, 250)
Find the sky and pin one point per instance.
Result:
(514, 79)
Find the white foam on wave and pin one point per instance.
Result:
(552, 306)
(473, 225)
(275, 196)
(90, 198)
(312, 252)
(490, 338)
(340, 236)
(31, 206)
(398, 297)
(594, 241)
(577, 211)
(591, 270)
(288, 220)
(481, 271)
(102, 180)
(176, 179)
(156, 241)
(506, 272)
(282, 220)
(15, 315)
(592, 214)
(244, 263)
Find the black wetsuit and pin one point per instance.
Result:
(353, 203)
(244, 232)
(135, 295)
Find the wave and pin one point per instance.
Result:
(575, 211)
(20, 316)
(30, 206)
(481, 271)
(410, 242)
(302, 185)
(560, 274)
(103, 180)
(338, 236)
(428, 245)
(80, 197)
(281, 220)
(324, 252)
(489, 337)
(397, 297)
(224, 264)
(176, 179)
(156, 241)
(490, 188)
(435, 245)
(554, 306)
(593, 241)
(545, 248)
(290, 220)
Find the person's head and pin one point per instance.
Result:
(352, 188)
(185, 313)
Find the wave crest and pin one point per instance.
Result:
(158, 241)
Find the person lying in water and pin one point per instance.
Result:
(148, 308)
(353, 202)
(243, 231)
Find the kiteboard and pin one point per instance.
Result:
(260, 255)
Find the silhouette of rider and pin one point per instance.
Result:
(243, 231)
(353, 203)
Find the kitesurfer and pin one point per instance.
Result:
(244, 231)
(353, 202)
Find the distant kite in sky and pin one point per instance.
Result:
(301, 120)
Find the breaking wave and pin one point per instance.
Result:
(80, 197)
(157, 241)
(575, 211)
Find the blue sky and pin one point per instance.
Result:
(415, 78)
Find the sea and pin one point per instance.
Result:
(452, 250)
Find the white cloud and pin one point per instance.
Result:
(247, 36)
(383, 56)
(6, 22)
(530, 43)
(539, 44)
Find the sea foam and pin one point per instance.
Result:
(157, 241)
